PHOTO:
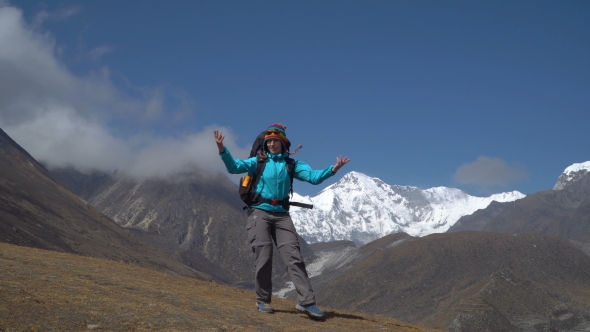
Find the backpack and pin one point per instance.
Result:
(249, 182)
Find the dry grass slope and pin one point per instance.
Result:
(44, 290)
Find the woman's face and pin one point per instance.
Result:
(274, 145)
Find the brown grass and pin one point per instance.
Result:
(49, 291)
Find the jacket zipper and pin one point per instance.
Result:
(276, 180)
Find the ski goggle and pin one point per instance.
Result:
(273, 132)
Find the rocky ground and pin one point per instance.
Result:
(49, 291)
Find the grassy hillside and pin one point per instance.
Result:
(44, 290)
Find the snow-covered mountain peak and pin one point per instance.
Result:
(355, 180)
(363, 208)
(572, 174)
(354, 175)
(359, 181)
(585, 166)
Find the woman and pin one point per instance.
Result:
(268, 222)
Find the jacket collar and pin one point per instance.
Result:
(276, 156)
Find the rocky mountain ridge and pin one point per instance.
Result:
(562, 211)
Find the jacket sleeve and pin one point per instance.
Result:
(304, 172)
(238, 166)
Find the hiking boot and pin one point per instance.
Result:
(310, 309)
(264, 307)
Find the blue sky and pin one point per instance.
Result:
(485, 96)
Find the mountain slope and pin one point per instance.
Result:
(467, 281)
(36, 211)
(362, 209)
(192, 215)
(563, 211)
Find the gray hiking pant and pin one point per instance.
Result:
(264, 228)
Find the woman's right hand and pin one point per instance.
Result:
(219, 137)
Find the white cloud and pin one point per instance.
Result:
(98, 52)
(56, 15)
(486, 172)
(64, 119)
(30, 74)
(164, 157)
(61, 137)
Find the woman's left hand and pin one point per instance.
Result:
(339, 163)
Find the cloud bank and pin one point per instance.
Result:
(490, 172)
(67, 120)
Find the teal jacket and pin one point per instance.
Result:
(275, 181)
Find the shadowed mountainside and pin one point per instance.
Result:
(82, 184)
(37, 211)
(469, 281)
(564, 212)
(49, 291)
